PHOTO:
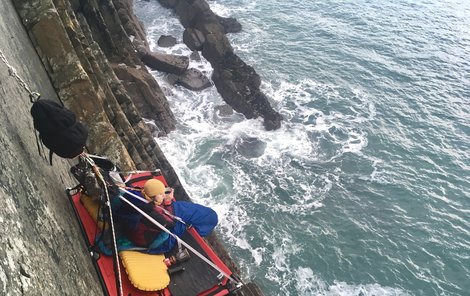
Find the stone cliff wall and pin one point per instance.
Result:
(41, 252)
(97, 74)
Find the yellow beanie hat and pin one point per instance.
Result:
(153, 187)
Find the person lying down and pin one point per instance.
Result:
(134, 231)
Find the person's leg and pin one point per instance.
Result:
(202, 218)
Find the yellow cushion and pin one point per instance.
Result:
(92, 207)
(145, 271)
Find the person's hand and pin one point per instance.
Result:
(171, 194)
(168, 197)
(158, 199)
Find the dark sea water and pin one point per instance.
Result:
(365, 190)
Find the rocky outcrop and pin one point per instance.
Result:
(193, 79)
(193, 38)
(234, 80)
(224, 110)
(237, 82)
(165, 62)
(74, 86)
(107, 30)
(230, 24)
(131, 24)
(166, 41)
(177, 67)
(195, 56)
(105, 84)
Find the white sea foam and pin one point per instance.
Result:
(204, 153)
(199, 126)
(221, 8)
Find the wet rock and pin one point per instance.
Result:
(131, 24)
(193, 79)
(193, 38)
(172, 79)
(166, 41)
(168, 3)
(190, 11)
(195, 56)
(250, 147)
(224, 110)
(148, 100)
(237, 83)
(216, 48)
(153, 128)
(166, 62)
(230, 24)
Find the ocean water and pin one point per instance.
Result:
(365, 190)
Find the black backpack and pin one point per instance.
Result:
(58, 129)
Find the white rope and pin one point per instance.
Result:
(12, 72)
(108, 203)
(123, 172)
(179, 240)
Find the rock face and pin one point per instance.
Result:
(230, 24)
(224, 110)
(88, 49)
(98, 74)
(237, 82)
(102, 21)
(166, 41)
(193, 79)
(165, 62)
(195, 56)
(40, 252)
(193, 38)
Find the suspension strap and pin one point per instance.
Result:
(179, 240)
(99, 176)
(146, 201)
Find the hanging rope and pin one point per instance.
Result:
(33, 96)
(100, 177)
